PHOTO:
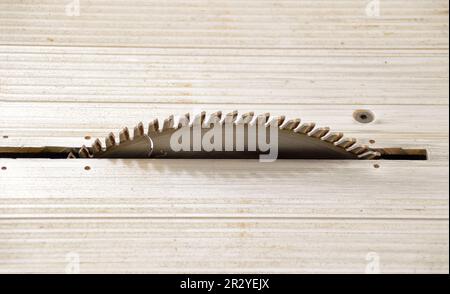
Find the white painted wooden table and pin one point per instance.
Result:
(66, 75)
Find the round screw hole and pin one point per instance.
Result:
(376, 166)
(5, 137)
(87, 167)
(372, 141)
(363, 116)
(87, 137)
(4, 168)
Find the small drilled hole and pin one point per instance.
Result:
(372, 141)
(376, 166)
(4, 168)
(363, 116)
(87, 167)
(5, 137)
(87, 137)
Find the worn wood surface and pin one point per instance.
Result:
(66, 79)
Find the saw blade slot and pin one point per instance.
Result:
(223, 136)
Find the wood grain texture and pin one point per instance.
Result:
(235, 24)
(65, 80)
(236, 76)
(234, 188)
(223, 245)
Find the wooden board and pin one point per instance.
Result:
(218, 24)
(222, 245)
(67, 79)
(235, 76)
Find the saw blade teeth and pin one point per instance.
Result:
(358, 149)
(213, 118)
(71, 156)
(305, 128)
(182, 122)
(97, 146)
(370, 155)
(84, 152)
(198, 119)
(290, 124)
(260, 119)
(138, 130)
(319, 132)
(168, 123)
(153, 127)
(110, 140)
(333, 137)
(230, 117)
(346, 143)
(275, 121)
(124, 135)
(245, 118)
